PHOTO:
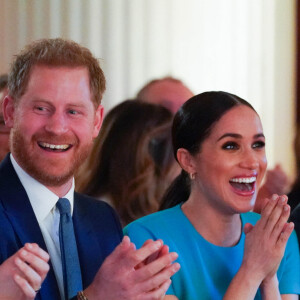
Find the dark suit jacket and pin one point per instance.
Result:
(97, 229)
(295, 217)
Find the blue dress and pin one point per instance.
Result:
(206, 269)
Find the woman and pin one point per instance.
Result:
(132, 161)
(219, 143)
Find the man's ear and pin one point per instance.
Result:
(8, 108)
(186, 160)
(98, 120)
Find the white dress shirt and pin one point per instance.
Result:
(43, 203)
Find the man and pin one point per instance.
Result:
(4, 131)
(168, 91)
(54, 112)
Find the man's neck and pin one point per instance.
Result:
(59, 190)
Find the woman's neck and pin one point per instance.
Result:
(214, 225)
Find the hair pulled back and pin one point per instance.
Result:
(192, 124)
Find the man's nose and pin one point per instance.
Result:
(57, 123)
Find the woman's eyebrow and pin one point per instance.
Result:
(234, 135)
(238, 136)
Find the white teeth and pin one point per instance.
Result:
(244, 180)
(51, 146)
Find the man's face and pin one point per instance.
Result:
(168, 93)
(4, 131)
(53, 123)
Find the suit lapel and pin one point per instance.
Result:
(89, 251)
(20, 213)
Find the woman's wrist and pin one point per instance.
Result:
(251, 274)
(270, 288)
(270, 281)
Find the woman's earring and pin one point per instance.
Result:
(192, 176)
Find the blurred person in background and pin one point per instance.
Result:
(294, 194)
(295, 217)
(131, 163)
(4, 131)
(168, 91)
(172, 93)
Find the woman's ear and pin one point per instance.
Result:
(186, 160)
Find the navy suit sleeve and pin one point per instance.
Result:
(98, 232)
(9, 244)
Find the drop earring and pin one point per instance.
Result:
(192, 176)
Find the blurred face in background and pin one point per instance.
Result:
(168, 93)
(4, 131)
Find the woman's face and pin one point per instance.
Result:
(231, 163)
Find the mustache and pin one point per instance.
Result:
(50, 138)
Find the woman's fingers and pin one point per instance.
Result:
(267, 210)
(275, 214)
(281, 222)
(285, 234)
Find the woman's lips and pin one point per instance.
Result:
(243, 185)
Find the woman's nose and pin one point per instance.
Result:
(249, 160)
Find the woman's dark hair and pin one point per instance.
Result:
(131, 159)
(191, 126)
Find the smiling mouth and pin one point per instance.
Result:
(53, 147)
(245, 184)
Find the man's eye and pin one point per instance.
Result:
(230, 146)
(259, 144)
(73, 112)
(40, 108)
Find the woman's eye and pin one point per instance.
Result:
(259, 144)
(230, 146)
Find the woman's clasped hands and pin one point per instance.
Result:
(266, 241)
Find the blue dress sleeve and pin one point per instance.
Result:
(138, 234)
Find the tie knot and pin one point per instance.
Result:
(63, 206)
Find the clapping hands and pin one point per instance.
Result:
(22, 274)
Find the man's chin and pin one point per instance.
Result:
(52, 180)
(47, 174)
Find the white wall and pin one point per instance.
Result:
(246, 47)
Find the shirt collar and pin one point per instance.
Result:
(41, 198)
